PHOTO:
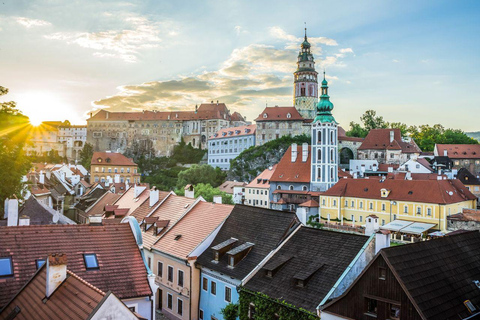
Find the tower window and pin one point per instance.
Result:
(302, 91)
(319, 136)
(319, 154)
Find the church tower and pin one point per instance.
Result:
(324, 160)
(305, 90)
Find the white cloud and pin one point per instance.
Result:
(139, 34)
(292, 42)
(395, 61)
(28, 23)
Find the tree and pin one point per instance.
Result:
(86, 155)
(371, 121)
(201, 174)
(356, 130)
(14, 128)
(230, 312)
(206, 191)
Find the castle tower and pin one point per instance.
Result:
(324, 144)
(305, 90)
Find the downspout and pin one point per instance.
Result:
(190, 291)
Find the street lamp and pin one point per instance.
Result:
(392, 203)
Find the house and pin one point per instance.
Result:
(463, 155)
(94, 205)
(32, 212)
(350, 201)
(434, 279)
(54, 292)
(105, 255)
(257, 192)
(388, 146)
(234, 188)
(128, 202)
(313, 266)
(468, 219)
(105, 166)
(249, 236)
(175, 253)
(416, 165)
(470, 181)
(227, 143)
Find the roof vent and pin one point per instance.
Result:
(177, 237)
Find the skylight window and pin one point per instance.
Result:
(6, 267)
(40, 263)
(177, 237)
(91, 261)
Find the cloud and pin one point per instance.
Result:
(247, 78)
(28, 23)
(139, 34)
(292, 41)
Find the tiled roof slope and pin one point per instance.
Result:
(99, 207)
(193, 228)
(73, 299)
(279, 114)
(426, 191)
(129, 202)
(228, 186)
(379, 139)
(116, 159)
(288, 171)
(144, 209)
(459, 151)
(439, 274)
(38, 214)
(264, 227)
(325, 253)
(121, 271)
(467, 178)
(235, 132)
(264, 178)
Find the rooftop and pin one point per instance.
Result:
(112, 159)
(458, 151)
(263, 179)
(297, 171)
(379, 139)
(279, 114)
(235, 132)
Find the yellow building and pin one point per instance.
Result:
(350, 201)
(113, 167)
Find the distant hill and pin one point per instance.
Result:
(474, 135)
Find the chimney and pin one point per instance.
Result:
(304, 152)
(392, 135)
(41, 178)
(106, 115)
(371, 225)
(445, 153)
(11, 211)
(24, 221)
(382, 240)
(56, 272)
(127, 185)
(390, 169)
(189, 191)
(138, 190)
(217, 199)
(408, 176)
(294, 152)
(154, 194)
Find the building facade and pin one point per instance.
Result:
(113, 167)
(226, 144)
(257, 192)
(73, 138)
(462, 155)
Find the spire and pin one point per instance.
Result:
(305, 31)
(324, 106)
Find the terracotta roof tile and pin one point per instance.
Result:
(122, 269)
(263, 179)
(379, 139)
(228, 186)
(235, 132)
(193, 228)
(144, 209)
(459, 151)
(279, 114)
(116, 159)
(99, 207)
(129, 202)
(288, 171)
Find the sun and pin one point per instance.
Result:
(42, 106)
(34, 121)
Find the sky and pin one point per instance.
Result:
(412, 61)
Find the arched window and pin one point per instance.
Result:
(331, 173)
(290, 187)
(319, 136)
(319, 155)
(304, 188)
(265, 115)
(332, 156)
(331, 137)
(279, 187)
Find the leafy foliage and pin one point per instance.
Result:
(251, 162)
(207, 192)
(51, 156)
(86, 155)
(230, 312)
(267, 308)
(13, 160)
(425, 136)
(201, 174)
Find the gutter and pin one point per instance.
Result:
(347, 270)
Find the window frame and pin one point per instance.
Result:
(182, 277)
(96, 261)
(11, 267)
(179, 302)
(169, 296)
(168, 273)
(230, 294)
(213, 288)
(205, 284)
(160, 268)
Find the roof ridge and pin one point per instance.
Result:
(88, 284)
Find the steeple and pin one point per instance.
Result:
(325, 106)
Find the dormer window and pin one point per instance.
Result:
(108, 160)
(220, 249)
(273, 266)
(265, 116)
(384, 192)
(289, 115)
(302, 277)
(236, 254)
(99, 160)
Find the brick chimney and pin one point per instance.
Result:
(294, 152)
(56, 272)
(304, 152)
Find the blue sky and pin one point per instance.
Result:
(411, 61)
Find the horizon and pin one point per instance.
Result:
(414, 63)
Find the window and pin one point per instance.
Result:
(361, 218)
(228, 294)
(251, 311)
(131, 309)
(40, 263)
(170, 274)
(371, 206)
(383, 206)
(180, 278)
(159, 269)
(200, 314)
(405, 209)
(169, 301)
(429, 212)
(334, 203)
(213, 288)
(361, 205)
(180, 306)
(205, 284)
(91, 261)
(290, 187)
(319, 155)
(419, 210)
(394, 311)
(382, 273)
(149, 262)
(371, 306)
(353, 204)
(6, 267)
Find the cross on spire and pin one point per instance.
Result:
(305, 30)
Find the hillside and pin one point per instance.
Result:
(474, 135)
(251, 162)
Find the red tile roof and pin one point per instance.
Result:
(425, 191)
(116, 159)
(235, 132)
(228, 186)
(379, 139)
(144, 209)
(99, 207)
(263, 179)
(288, 171)
(310, 204)
(73, 299)
(193, 228)
(279, 114)
(459, 151)
(122, 269)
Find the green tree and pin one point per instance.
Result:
(371, 121)
(201, 174)
(14, 128)
(356, 130)
(206, 191)
(230, 312)
(86, 155)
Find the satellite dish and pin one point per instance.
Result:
(450, 193)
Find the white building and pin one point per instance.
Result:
(226, 144)
(257, 191)
(74, 138)
(324, 160)
(416, 165)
